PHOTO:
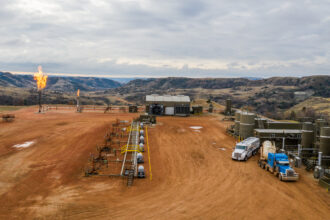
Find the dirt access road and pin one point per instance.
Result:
(193, 174)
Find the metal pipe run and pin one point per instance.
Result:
(124, 160)
(39, 101)
(320, 159)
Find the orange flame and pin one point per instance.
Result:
(78, 92)
(40, 78)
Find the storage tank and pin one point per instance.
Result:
(228, 106)
(141, 146)
(246, 125)
(141, 125)
(141, 132)
(237, 122)
(237, 115)
(141, 171)
(319, 123)
(140, 168)
(142, 139)
(325, 143)
(267, 147)
(139, 158)
(307, 135)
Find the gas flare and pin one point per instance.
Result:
(40, 78)
(78, 92)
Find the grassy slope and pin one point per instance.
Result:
(318, 104)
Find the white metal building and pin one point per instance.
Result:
(168, 105)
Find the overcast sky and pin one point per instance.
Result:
(192, 38)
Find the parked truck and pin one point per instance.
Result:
(276, 163)
(246, 148)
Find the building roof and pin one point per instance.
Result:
(167, 98)
(278, 131)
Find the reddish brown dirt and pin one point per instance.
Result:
(192, 177)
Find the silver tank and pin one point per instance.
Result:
(140, 168)
(307, 135)
(246, 124)
(141, 145)
(325, 144)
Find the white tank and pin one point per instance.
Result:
(140, 168)
(141, 138)
(141, 145)
(268, 147)
(140, 156)
(141, 125)
(142, 132)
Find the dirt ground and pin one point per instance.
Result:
(193, 174)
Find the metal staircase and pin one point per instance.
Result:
(130, 177)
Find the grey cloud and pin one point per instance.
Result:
(257, 38)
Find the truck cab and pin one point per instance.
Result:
(245, 149)
(278, 163)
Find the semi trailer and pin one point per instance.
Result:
(246, 148)
(276, 163)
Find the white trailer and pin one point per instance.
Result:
(246, 148)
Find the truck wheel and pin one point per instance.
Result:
(280, 177)
(245, 158)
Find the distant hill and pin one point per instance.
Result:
(319, 84)
(66, 84)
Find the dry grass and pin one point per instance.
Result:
(318, 104)
(6, 108)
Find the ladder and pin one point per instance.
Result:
(130, 177)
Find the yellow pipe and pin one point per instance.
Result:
(148, 153)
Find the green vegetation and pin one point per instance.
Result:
(6, 108)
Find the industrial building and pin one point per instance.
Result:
(168, 105)
(284, 138)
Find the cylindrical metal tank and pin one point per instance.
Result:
(142, 132)
(142, 139)
(246, 130)
(237, 121)
(308, 126)
(139, 158)
(246, 124)
(267, 147)
(307, 135)
(247, 118)
(228, 106)
(319, 123)
(237, 115)
(325, 144)
(141, 146)
(140, 168)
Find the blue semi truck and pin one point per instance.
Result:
(278, 164)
